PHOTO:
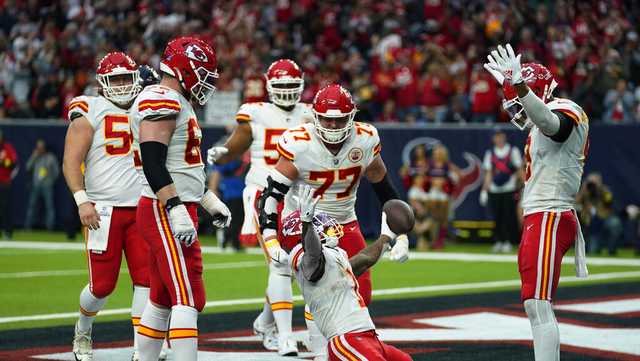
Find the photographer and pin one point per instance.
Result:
(603, 228)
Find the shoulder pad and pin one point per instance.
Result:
(569, 108)
(157, 102)
(294, 141)
(79, 107)
(247, 111)
(367, 135)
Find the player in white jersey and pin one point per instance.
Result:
(331, 154)
(107, 193)
(260, 125)
(327, 278)
(555, 154)
(167, 141)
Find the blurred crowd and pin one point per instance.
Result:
(405, 60)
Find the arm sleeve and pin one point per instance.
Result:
(154, 157)
(313, 259)
(540, 114)
(565, 128)
(385, 190)
(277, 186)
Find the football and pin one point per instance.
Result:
(399, 216)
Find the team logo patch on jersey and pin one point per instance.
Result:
(355, 155)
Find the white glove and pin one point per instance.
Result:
(385, 229)
(306, 203)
(215, 153)
(400, 251)
(484, 198)
(216, 208)
(504, 61)
(182, 226)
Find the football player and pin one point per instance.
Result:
(260, 125)
(332, 154)
(107, 193)
(166, 144)
(327, 279)
(555, 153)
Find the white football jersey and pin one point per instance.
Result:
(268, 122)
(334, 300)
(553, 170)
(184, 161)
(109, 175)
(335, 177)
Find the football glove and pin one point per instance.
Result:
(400, 251)
(505, 62)
(215, 207)
(182, 226)
(215, 153)
(307, 203)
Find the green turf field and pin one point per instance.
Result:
(44, 282)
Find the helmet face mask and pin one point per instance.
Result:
(119, 78)
(333, 105)
(285, 83)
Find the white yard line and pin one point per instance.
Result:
(391, 291)
(437, 256)
(81, 272)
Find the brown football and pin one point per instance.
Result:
(400, 216)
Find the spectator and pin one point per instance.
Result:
(484, 96)
(436, 90)
(8, 167)
(228, 180)
(45, 170)
(603, 228)
(619, 104)
(503, 174)
(418, 200)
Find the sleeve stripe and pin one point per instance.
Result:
(377, 149)
(159, 101)
(82, 105)
(284, 153)
(243, 118)
(156, 105)
(570, 114)
(294, 263)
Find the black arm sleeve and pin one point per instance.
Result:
(385, 190)
(268, 216)
(154, 157)
(566, 126)
(313, 259)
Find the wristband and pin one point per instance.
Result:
(81, 197)
(172, 202)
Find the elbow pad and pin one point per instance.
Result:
(154, 157)
(277, 186)
(385, 190)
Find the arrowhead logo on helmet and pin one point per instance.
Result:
(541, 82)
(193, 63)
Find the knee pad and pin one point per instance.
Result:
(540, 312)
(280, 269)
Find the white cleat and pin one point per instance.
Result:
(287, 346)
(82, 345)
(269, 335)
(162, 357)
(506, 247)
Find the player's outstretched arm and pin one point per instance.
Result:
(76, 145)
(369, 256)
(238, 143)
(313, 259)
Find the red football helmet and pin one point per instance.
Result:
(328, 229)
(540, 81)
(334, 102)
(112, 72)
(285, 82)
(193, 62)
